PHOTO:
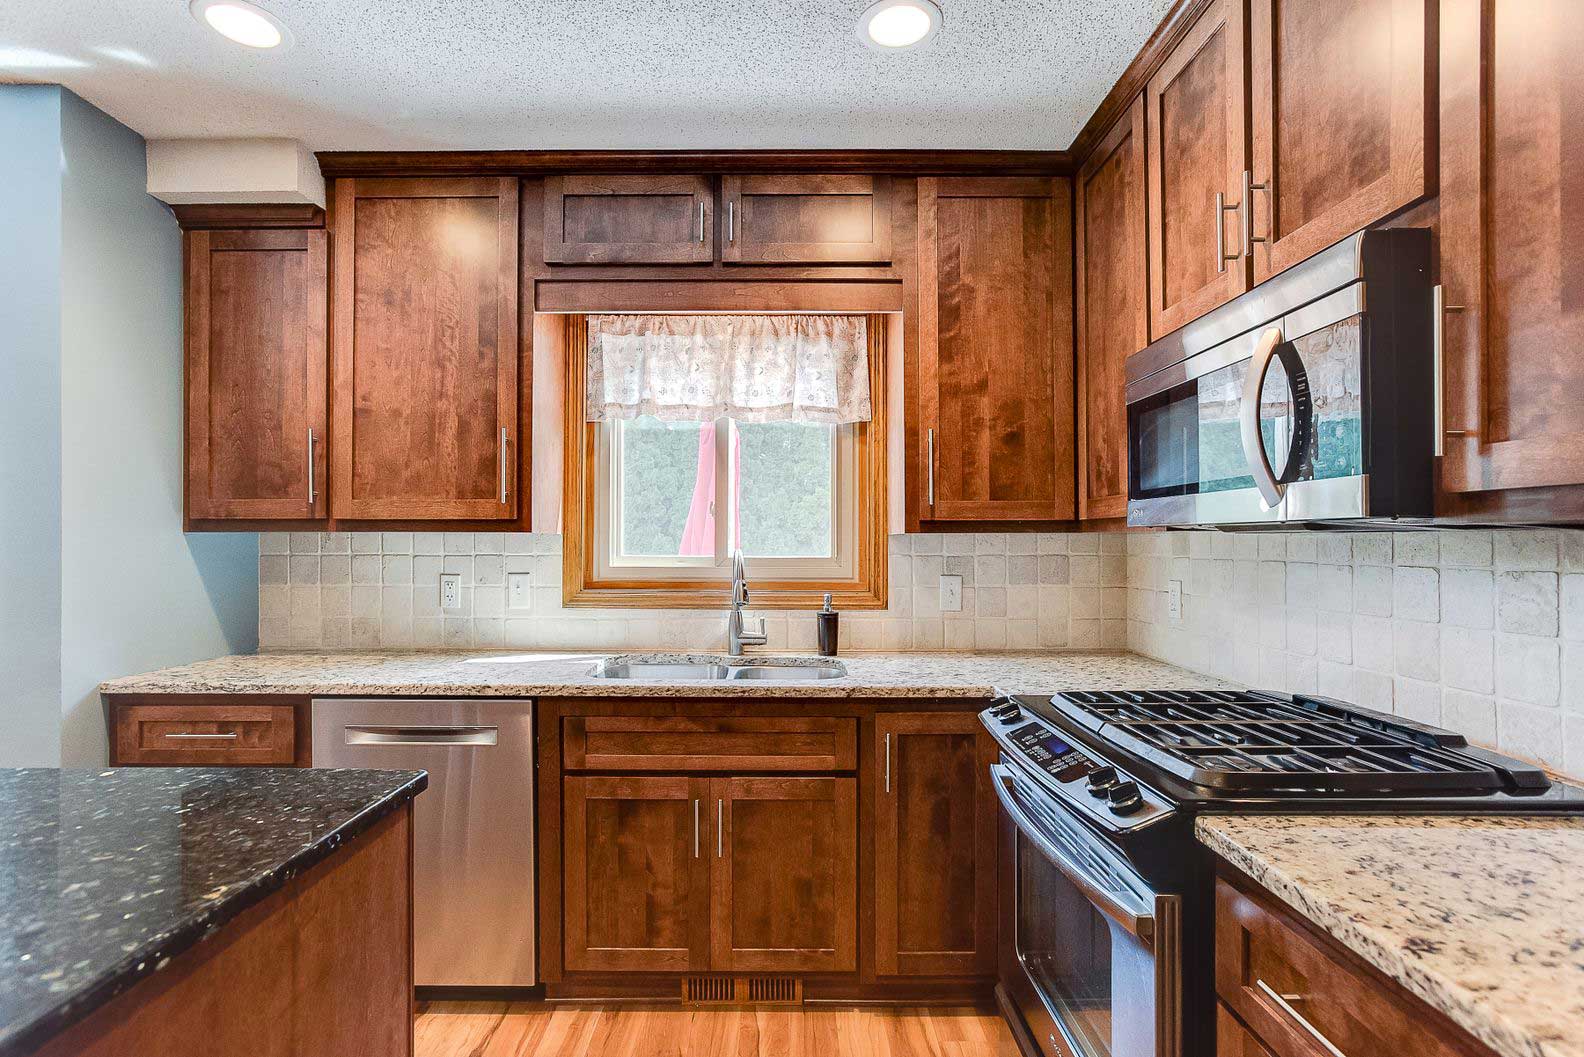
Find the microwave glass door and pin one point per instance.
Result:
(1333, 360)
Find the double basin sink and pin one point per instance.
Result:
(716, 669)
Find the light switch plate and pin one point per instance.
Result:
(951, 594)
(519, 590)
(450, 590)
(1174, 601)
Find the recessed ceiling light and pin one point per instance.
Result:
(242, 22)
(894, 24)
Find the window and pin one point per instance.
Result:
(660, 505)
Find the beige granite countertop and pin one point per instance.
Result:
(1483, 918)
(505, 673)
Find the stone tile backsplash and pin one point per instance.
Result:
(381, 590)
(1481, 631)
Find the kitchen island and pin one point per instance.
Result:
(188, 910)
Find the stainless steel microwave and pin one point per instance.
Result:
(1307, 399)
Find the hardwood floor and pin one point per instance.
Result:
(537, 1029)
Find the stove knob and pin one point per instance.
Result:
(1010, 716)
(1124, 798)
(1101, 779)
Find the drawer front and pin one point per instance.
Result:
(670, 743)
(206, 735)
(1297, 996)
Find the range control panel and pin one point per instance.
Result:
(1094, 787)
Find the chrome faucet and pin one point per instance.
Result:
(736, 638)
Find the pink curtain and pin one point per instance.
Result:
(698, 535)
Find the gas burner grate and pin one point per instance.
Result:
(1239, 740)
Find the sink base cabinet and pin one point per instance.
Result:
(849, 847)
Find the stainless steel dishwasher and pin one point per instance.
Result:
(473, 852)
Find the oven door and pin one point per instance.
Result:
(1267, 427)
(1095, 962)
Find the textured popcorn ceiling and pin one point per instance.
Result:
(497, 74)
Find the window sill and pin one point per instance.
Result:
(715, 595)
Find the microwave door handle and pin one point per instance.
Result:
(1138, 922)
(1273, 345)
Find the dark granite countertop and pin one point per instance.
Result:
(105, 876)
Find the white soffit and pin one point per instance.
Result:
(191, 171)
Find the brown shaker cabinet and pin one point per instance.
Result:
(256, 374)
(1196, 112)
(425, 349)
(1511, 85)
(1113, 307)
(806, 219)
(1340, 102)
(995, 349)
(629, 219)
(934, 845)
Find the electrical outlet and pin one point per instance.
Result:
(1174, 601)
(450, 590)
(951, 594)
(519, 591)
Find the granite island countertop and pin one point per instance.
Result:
(1483, 918)
(107, 875)
(507, 673)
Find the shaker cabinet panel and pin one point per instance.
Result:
(810, 219)
(425, 349)
(1195, 111)
(629, 219)
(1512, 243)
(1113, 308)
(256, 374)
(995, 349)
(1339, 106)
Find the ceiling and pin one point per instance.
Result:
(502, 74)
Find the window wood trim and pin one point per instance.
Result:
(866, 589)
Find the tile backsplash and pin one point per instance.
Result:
(381, 590)
(1480, 631)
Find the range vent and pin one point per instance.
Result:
(776, 989)
(742, 990)
(708, 989)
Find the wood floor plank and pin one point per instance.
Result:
(540, 1029)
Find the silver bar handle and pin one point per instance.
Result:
(505, 488)
(930, 463)
(720, 825)
(1284, 1003)
(1246, 212)
(194, 737)
(1438, 310)
(888, 763)
(371, 734)
(731, 221)
(701, 222)
(1222, 256)
(695, 828)
(313, 490)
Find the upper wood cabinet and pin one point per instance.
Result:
(806, 219)
(995, 349)
(1113, 307)
(629, 219)
(1195, 111)
(256, 374)
(935, 845)
(425, 349)
(1511, 232)
(1340, 101)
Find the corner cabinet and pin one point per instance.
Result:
(256, 374)
(425, 350)
(995, 379)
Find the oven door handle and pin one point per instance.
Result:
(1274, 346)
(1137, 920)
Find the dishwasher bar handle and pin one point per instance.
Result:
(367, 734)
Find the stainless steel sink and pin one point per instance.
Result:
(758, 668)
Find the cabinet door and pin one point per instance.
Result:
(806, 219)
(995, 349)
(635, 888)
(1512, 243)
(1113, 308)
(628, 219)
(425, 349)
(256, 374)
(1196, 112)
(784, 875)
(1339, 105)
(935, 846)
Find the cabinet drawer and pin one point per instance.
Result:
(670, 743)
(202, 735)
(1291, 991)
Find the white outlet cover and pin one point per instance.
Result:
(1174, 601)
(519, 591)
(450, 590)
(951, 594)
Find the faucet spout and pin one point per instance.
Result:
(736, 637)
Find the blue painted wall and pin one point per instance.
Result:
(132, 592)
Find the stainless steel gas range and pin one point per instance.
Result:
(1107, 934)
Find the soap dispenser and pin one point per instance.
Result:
(827, 618)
